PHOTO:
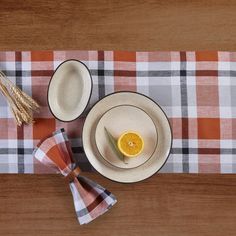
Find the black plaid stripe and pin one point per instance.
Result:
(101, 71)
(22, 150)
(101, 75)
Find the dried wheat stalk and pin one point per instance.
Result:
(21, 104)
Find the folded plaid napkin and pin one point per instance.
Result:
(90, 199)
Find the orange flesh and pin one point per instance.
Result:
(130, 144)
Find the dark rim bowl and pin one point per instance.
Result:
(89, 94)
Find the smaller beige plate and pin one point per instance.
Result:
(121, 119)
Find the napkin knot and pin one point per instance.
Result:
(73, 174)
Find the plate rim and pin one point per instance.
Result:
(171, 134)
(91, 89)
(152, 122)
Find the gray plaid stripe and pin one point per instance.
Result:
(224, 151)
(82, 212)
(184, 107)
(5, 151)
(20, 143)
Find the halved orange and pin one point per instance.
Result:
(130, 144)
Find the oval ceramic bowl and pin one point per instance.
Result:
(161, 152)
(69, 90)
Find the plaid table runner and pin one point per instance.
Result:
(197, 90)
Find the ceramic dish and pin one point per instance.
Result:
(119, 120)
(161, 152)
(69, 90)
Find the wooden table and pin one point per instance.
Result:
(166, 204)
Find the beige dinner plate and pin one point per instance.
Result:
(159, 119)
(69, 90)
(121, 119)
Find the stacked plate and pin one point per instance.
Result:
(68, 95)
(119, 112)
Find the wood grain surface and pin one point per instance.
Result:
(166, 204)
(113, 24)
